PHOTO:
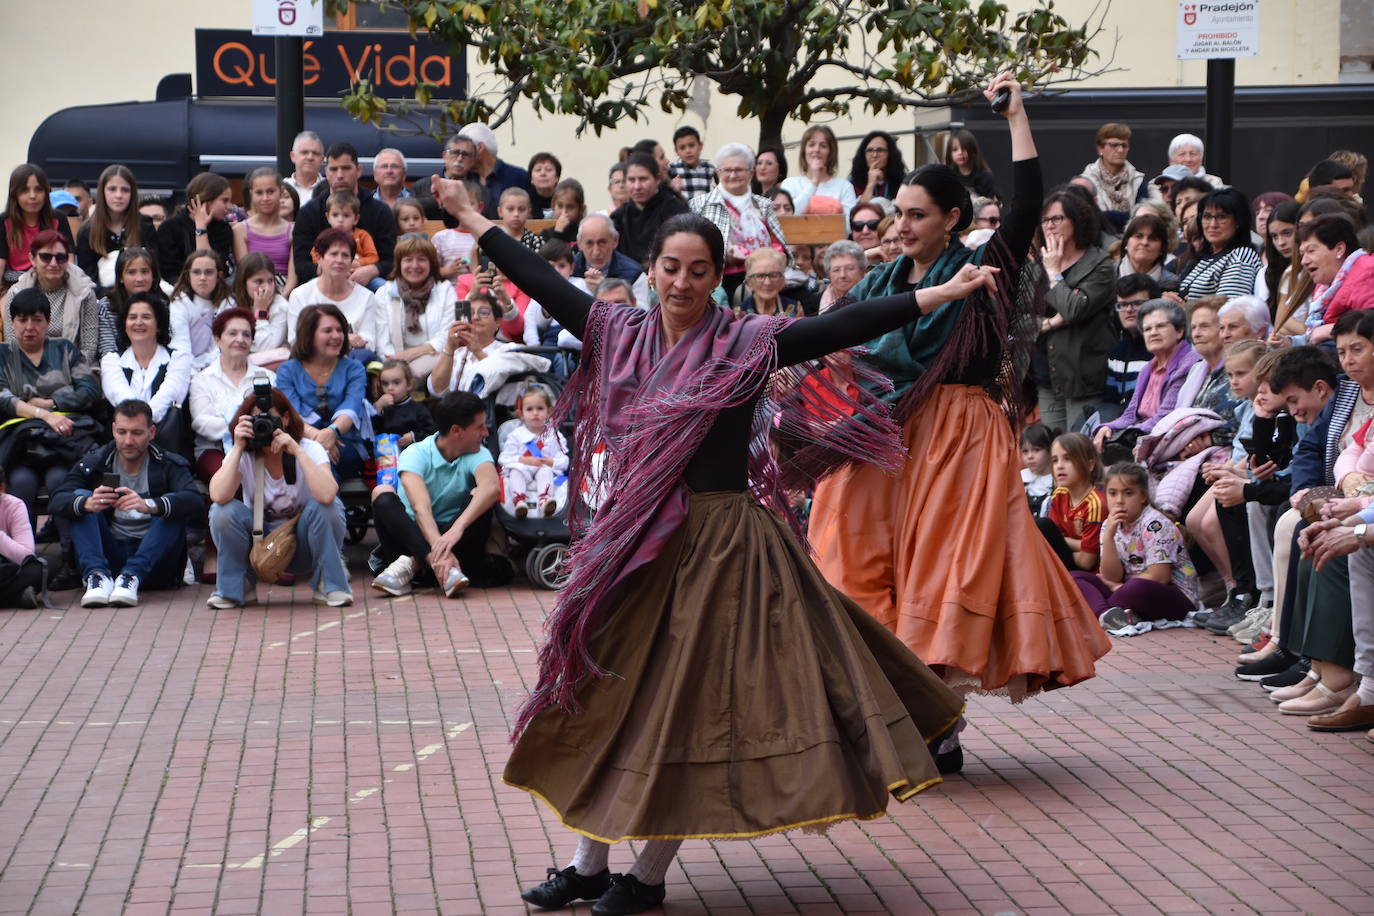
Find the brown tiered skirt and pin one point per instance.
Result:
(946, 555)
(749, 697)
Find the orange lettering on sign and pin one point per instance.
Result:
(241, 57)
(444, 76)
(354, 71)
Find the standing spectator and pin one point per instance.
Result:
(697, 175)
(1145, 245)
(877, 169)
(963, 155)
(817, 189)
(569, 209)
(28, 211)
(770, 168)
(266, 230)
(197, 225)
(307, 155)
(114, 226)
(599, 258)
(200, 292)
(75, 312)
(327, 389)
(1119, 184)
(255, 291)
(651, 204)
(375, 218)
(335, 287)
(1228, 263)
(219, 388)
(1186, 150)
(145, 370)
(133, 535)
(389, 174)
(460, 155)
(493, 174)
(414, 308)
(745, 220)
(1071, 282)
(545, 173)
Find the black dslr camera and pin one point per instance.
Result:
(265, 424)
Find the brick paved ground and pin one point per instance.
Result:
(294, 758)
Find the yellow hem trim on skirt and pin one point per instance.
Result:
(734, 836)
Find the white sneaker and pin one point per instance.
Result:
(395, 579)
(188, 576)
(333, 599)
(455, 583)
(221, 603)
(125, 591)
(98, 588)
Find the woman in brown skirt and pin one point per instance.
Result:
(700, 678)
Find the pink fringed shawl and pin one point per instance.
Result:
(651, 406)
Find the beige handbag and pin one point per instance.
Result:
(270, 554)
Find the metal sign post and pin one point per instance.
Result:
(288, 22)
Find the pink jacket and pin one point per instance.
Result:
(1357, 292)
(16, 534)
(1358, 456)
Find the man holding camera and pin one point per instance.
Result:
(129, 503)
(442, 514)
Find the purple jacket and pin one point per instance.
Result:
(1175, 372)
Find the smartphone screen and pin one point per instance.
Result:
(462, 310)
(110, 480)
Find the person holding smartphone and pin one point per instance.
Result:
(469, 342)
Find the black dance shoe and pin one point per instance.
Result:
(563, 887)
(627, 894)
(1279, 661)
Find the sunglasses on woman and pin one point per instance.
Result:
(866, 225)
(47, 257)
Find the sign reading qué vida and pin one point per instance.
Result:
(237, 63)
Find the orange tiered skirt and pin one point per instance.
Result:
(946, 555)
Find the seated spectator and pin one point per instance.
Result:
(1036, 469)
(291, 478)
(468, 344)
(598, 257)
(144, 370)
(512, 300)
(569, 204)
(410, 217)
(514, 210)
(963, 155)
(545, 172)
(654, 149)
(156, 208)
(1186, 150)
(135, 272)
(770, 168)
(115, 224)
(494, 174)
(864, 221)
(745, 220)
(128, 505)
(818, 190)
(290, 206)
(1145, 573)
(697, 175)
(844, 263)
(21, 572)
(1280, 272)
(442, 514)
(82, 192)
(1128, 356)
(328, 389)
(1214, 393)
(396, 413)
(266, 230)
(1228, 263)
(197, 225)
(455, 246)
(1071, 282)
(878, 168)
(987, 217)
(201, 291)
(890, 241)
(782, 202)
(1167, 181)
(414, 308)
(650, 205)
(342, 209)
(1261, 207)
(534, 455)
(255, 291)
(460, 153)
(1118, 184)
(307, 155)
(1145, 245)
(389, 175)
(75, 312)
(1342, 273)
(335, 287)
(764, 274)
(1243, 318)
(541, 329)
(28, 212)
(1164, 326)
(1077, 506)
(374, 218)
(1327, 174)
(616, 187)
(219, 388)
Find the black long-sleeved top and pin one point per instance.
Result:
(374, 217)
(721, 463)
(176, 239)
(89, 261)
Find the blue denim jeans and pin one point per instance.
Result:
(162, 550)
(319, 542)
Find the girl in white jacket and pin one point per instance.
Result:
(534, 457)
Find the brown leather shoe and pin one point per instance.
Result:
(1350, 717)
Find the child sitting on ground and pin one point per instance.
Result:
(533, 456)
(1077, 506)
(1036, 441)
(21, 572)
(343, 209)
(397, 412)
(1145, 572)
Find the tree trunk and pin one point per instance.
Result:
(770, 126)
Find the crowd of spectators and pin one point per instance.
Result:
(1203, 369)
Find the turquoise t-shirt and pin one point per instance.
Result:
(449, 483)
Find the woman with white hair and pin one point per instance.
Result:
(844, 262)
(1186, 150)
(1244, 317)
(746, 220)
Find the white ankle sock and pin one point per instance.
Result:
(654, 859)
(591, 857)
(1367, 691)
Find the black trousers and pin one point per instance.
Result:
(1056, 540)
(14, 578)
(400, 535)
(1235, 530)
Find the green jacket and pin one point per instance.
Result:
(1076, 354)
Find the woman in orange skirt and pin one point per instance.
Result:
(945, 553)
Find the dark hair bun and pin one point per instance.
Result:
(944, 187)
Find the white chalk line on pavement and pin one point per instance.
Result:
(319, 629)
(316, 823)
